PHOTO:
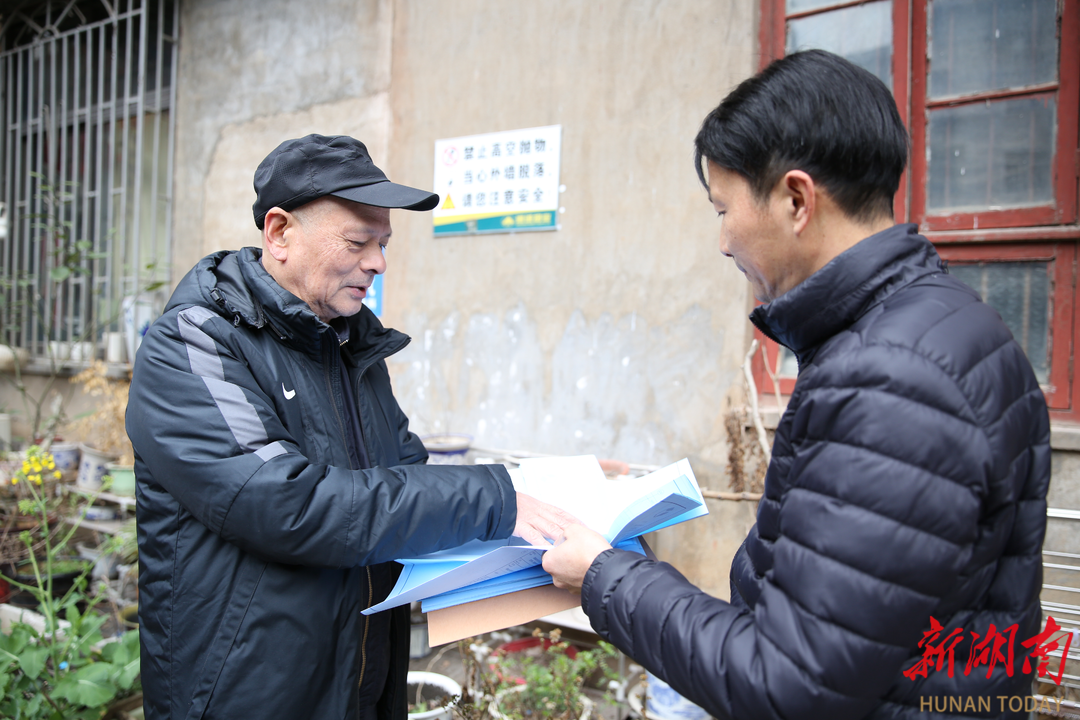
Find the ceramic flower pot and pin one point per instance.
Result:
(431, 688)
(93, 465)
(10, 357)
(447, 449)
(123, 478)
(66, 457)
(656, 700)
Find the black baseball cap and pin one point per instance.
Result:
(306, 169)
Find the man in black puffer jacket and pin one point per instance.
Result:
(909, 472)
(277, 475)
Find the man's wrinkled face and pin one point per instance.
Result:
(335, 251)
(755, 235)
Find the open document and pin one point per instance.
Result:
(620, 510)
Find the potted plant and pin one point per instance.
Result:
(431, 695)
(52, 667)
(26, 478)
(553, 687)
(509, 660)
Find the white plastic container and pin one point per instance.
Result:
(444, 685)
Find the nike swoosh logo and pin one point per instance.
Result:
(287, 393)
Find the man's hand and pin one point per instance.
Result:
(571, 557)
(537, 521)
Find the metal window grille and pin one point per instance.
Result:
(1060, 595)
(87, 89)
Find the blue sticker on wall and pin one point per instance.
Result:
(374, 296)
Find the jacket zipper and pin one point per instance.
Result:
(345, 439)
(363, 643)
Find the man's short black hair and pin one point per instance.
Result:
(819, 113)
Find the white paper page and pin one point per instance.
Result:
(578, 485)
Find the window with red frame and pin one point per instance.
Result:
(989, 92)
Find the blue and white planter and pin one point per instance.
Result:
(93, 466)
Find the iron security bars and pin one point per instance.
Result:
(87, 89)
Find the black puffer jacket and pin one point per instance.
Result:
(908, 481)
(259, 542)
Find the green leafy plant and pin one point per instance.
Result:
(554, 681)
(30, 486)
(57, 664)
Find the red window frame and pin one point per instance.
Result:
(1062, 395)
(1063, 208)
(1048, 232)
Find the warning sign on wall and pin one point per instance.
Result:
(498, 182)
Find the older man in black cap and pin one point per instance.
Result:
(277, 476)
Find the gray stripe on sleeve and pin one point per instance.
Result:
(240, 415)
(202, 352)
(271, 451)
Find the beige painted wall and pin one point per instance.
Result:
(621, 333)
(626, 325)
(254, 73)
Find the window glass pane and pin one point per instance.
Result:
(980, 45)
(991, 155)
(1020, 292)
(789, 364)
(862, 34)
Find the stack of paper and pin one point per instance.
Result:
(620, 510)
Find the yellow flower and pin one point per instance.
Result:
(15, 480)
(58, 475)
(25, 466)
(51, 465)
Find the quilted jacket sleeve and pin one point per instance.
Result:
(209, 435)
(872, 510)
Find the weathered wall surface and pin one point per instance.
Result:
(621, 333)
(254, 73)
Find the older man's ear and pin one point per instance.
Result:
(274, 227)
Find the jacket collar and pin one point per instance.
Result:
(237, 286)
(834, 297)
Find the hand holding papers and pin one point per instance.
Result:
(569, 561)
(537, 521)
(619, 510)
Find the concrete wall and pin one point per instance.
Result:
(621, 333)
(254, 73)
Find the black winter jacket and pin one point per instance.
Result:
(908, 481)
(259, 543)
